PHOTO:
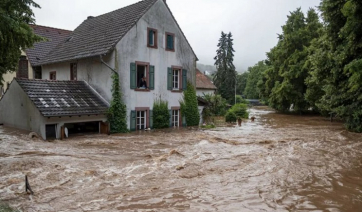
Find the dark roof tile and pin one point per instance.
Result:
(41, 49)
(98, 35)
(63, 98)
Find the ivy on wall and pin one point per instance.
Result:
(189, 106)
(117, 112)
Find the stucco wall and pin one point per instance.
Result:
(131, 48)
(90, 70)
(17, 110)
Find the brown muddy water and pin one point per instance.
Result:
(277, 163)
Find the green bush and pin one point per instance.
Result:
(189, 106)
(230, 117)
(240, 99)
(161, 114)
(208, 126)
(215, 105)
(240, 110)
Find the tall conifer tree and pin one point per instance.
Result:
(225, 76)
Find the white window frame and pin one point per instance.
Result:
(141, 115)
(176, 79)
(175, 118)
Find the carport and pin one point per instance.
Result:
(47, 107)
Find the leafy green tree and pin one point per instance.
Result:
(240, 99)
(284, 81)
(255, 75)
(15, 32)
(189, 106)
(241, 81)
(337, 62)
(216, 105)
(225, 76)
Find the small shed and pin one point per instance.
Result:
(49, 107)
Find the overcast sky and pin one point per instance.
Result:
(253, 23)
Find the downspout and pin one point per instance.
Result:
(112, 69)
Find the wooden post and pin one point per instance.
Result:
(27, 186)
(62, 133)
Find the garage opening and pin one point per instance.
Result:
(82, 128)
(50, 131)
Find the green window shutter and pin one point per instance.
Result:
(133, 120)
(184, 79)
(170, 112)
(184, 121)
(169, 78)
(171, 42)
(151, 119)
(152, 78)
(150, 37)
(168, 42)
(133, 76)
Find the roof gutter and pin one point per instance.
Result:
(112, 69)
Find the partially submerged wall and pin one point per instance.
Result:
(17, 110)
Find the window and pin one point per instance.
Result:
(175, 118)
(170, 41)
(53, 75)
(141, 120)
(176, 79)
(23, 68)
(73, 71)
(142, 76)
(37, 72)
(152, 38)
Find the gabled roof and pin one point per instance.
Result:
(203, 82)
(41, 49)
(98, 35)
(63, 98)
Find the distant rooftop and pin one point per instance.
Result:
(203, 82)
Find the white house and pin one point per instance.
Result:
(142, 39)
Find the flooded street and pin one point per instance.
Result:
(277, 163)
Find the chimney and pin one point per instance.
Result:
(90, 17)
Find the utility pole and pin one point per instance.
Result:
(235, 88)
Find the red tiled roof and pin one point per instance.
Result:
(203, 82)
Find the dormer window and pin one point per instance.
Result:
(170, 42)
(152, 38)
